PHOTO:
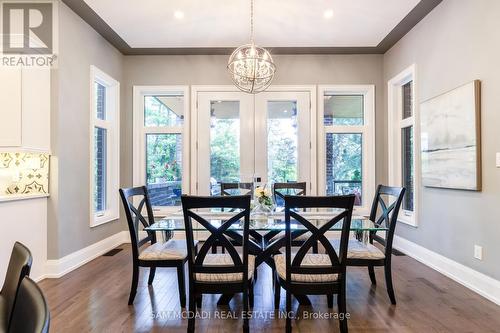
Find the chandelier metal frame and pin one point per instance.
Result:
(260, 74)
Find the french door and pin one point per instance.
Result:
(243, 138)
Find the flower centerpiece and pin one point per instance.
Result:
(264, 203)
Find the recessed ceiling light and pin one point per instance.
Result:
(328, 14)
(179, 14)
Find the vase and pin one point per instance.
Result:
(262, 209)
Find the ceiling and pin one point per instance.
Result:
(217, 26)
(278, 23)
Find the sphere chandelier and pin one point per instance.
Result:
(251, 67)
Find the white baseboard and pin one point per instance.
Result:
(478, 282)
(59, 267)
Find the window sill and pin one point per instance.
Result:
(408, 222)
(106, 218)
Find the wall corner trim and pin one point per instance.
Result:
(480, 283)
(59, 267)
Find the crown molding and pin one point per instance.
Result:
(82, 9)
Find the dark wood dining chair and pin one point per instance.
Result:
(31, 312)
(225, 191)
(304, 273)
(225, 188)
(369, 255)
(279, 192)
(282, 189)
(171, 253)
(210, 273)
(19, 267)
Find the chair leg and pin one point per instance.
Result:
(192, 311)
(214, 249)
(371, 272)
(181, 280)
(246, 328)
(388, 282)
(133, 288)
(152, 272)
(315, 248)
(199, 300)
(329, 300)
(288, 312)
(277, 296)
(250, 294)
(341, 302)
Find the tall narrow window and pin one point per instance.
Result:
(407, 174)
(105, 147)
(348, 143)
(161, 163)
(402, 140)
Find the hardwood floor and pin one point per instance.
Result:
(94, 298)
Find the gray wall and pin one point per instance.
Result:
(211, 70)
(457, 43)
(68, 212)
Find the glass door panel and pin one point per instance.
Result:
(224, 144)
(225, 140)
(282, 141)
(282, 137)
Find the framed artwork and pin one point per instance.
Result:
(451, 139)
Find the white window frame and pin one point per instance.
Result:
(112, 126)
(368, 142)
(140, 131)
(395, 124)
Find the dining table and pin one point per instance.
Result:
(266, 230)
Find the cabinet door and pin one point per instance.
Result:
(10, 107)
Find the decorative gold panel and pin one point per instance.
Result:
(24, 174)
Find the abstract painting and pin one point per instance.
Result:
(451, 139)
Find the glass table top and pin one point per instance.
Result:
(259, 222)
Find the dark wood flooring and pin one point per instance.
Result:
(94, 297)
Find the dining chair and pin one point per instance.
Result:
(19, 266)
(279, 192)
(31, 312)
(171, 253)
(225, 191)
(303, 273)
(360, 254)
(210, 273)
(281, 189)
(225, 188)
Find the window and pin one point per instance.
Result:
(346, 142)
(105, 147)
(403, 140)
(160, 144)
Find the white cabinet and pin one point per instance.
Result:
(25, 108)
(10, 107)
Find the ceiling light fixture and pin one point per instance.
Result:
(328, 14)
(179, 14)
(251, 67)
